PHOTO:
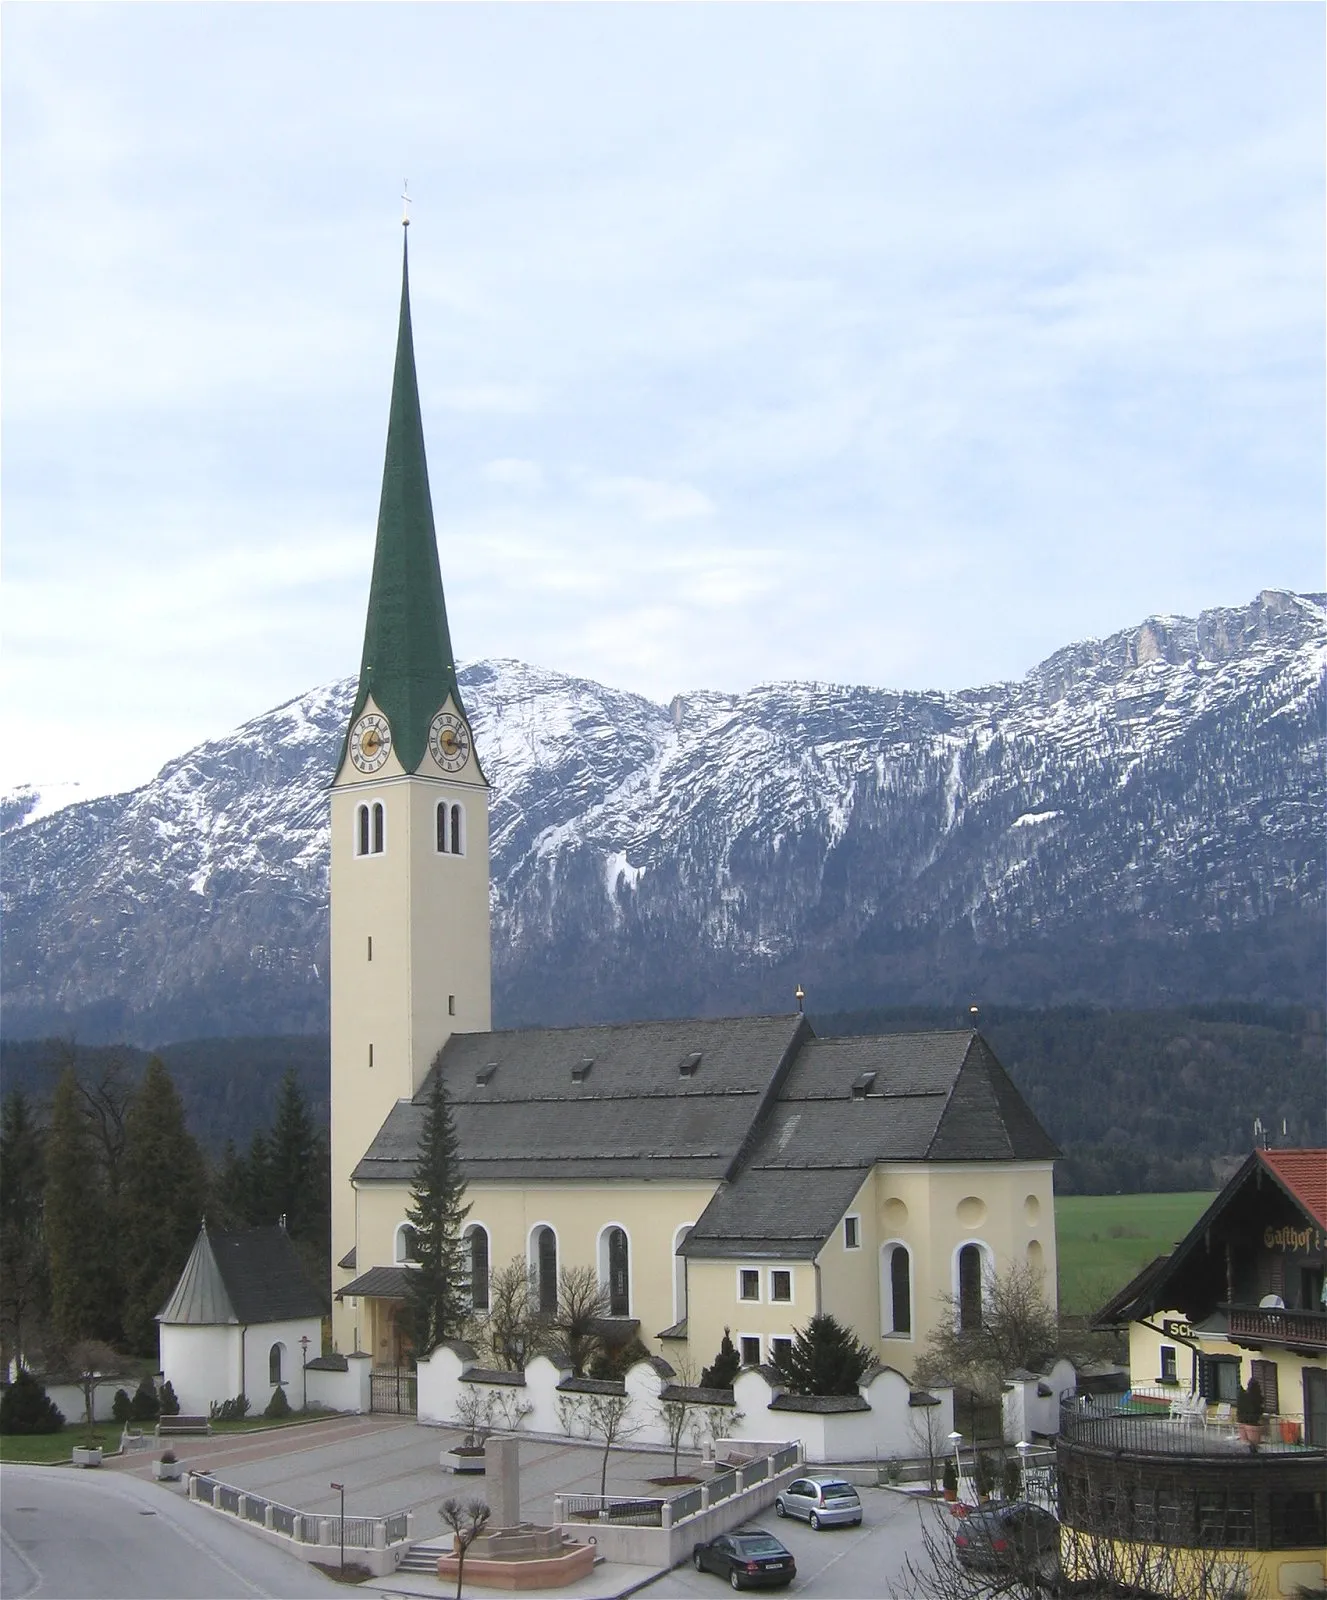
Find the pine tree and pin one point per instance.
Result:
(163, 1184)
(727, 1364)
(24, 1280)
(824, 1358)
(439, 1284)
(79, 1228)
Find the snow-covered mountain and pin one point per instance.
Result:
(1139, 820)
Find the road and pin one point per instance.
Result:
(67, 1534)
(836, 1562)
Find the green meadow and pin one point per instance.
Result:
(1104, 1239)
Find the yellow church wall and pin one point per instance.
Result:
(651, 1215)
(716, 1303)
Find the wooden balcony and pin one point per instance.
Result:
(1265, 1325)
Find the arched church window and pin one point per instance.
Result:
(477, 1239)
(458, 830)
(969, 1288)
(274, 1373)
(546, 1270)
(405, 1245)
(379, 828)
(361, 830)
(619, 1275)
(900, 1290)
(680, 1274)
(444, 828)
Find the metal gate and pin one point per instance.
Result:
(393, 1391)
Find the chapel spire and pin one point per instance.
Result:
(408, 666)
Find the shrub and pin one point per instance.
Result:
(145, 1407)
(985, 1475)
(122, 1407)
(824, 1358)
(1248, 1406)
(949, 1478)
(727, 1364)
(1012, 1482)
(170, 1405)
(616, 1363)
(25, 1407)
(278, 1405)
(229, 1410)
(168, 1458)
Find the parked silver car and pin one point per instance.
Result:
(823, 1502)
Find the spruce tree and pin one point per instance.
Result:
(24, 1281)
(79, 1229)
(298, 1188)
(163, 1185)
(439, 1284)
(824, 1358)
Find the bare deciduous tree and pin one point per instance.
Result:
(1017, 1328)
(583, 1304)
(609, 1416)
(506, 1329)
(467, 1522)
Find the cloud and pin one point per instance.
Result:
(652, 500)
(513, 472)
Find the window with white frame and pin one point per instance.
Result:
(370, 828)
(680, 1273)
(852, 1233)
(615, 1270)
(274, 1358)
(781, 1285)
(404, 1251)
(544, 1254)
(896, 1290)
(748, 1283)
(476, 1238)
(749, 1346)
(451, 828)
(780, 1349)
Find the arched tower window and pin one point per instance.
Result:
(405, 1245)
(274, 1373)
(361, 830)
(477, 1239)
(969, 1287)
(451, 828)
(379, 828)
(546, 1269)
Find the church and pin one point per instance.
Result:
(716, 1174)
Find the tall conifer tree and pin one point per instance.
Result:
(24, 1281)
(163, 1184)
(79, 1229)
(298, 1168)
(439, 1284)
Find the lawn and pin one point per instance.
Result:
(1104, 1239)
(46, 1448)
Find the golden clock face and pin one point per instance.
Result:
(370, 742)
(449, 741)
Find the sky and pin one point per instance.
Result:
(883, 344)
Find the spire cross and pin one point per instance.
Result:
(405, 203)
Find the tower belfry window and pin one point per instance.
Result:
(451, 828)
(370, 829)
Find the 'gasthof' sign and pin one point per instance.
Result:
(1297, 1240)
(1173, 1328)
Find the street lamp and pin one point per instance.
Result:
(1023, 1447)
(304, 1351)
(955, 1438)
(342, 1488)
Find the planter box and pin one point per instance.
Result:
(168, 1471)
(464, 1458)
(89, 1456)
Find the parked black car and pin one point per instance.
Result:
(1017, 1537)
(751, 1559)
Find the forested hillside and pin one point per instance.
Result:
(1139, 1101)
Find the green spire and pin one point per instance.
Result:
(408, 666)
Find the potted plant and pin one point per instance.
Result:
(87, 1455)
(949, 1480)
(167, 1468)
(1248, 1412)
(984, 1475)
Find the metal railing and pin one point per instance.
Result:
(305, 1527)
(1137, 1424)
(789, 1456)
(722, 1486)
(635, 1512)
(686, 1505)
(755, 1472)
(651, 1513)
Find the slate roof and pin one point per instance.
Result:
(919, 1097)
(387, 1283)
(828, 1404)
(634, 1114)
(250, 1276)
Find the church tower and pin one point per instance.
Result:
(410, 848)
